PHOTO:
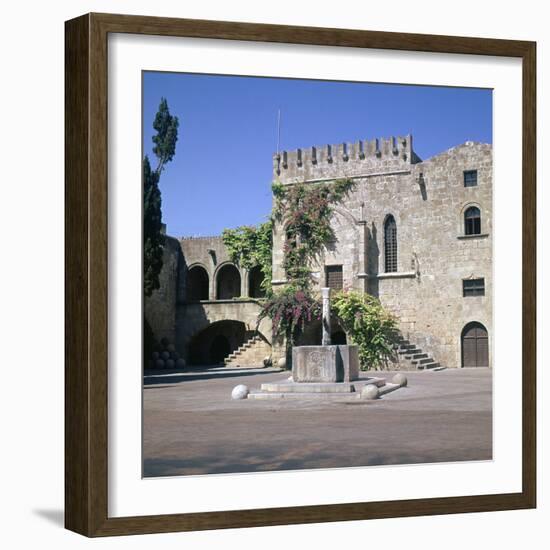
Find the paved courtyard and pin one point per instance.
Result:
(191, 425)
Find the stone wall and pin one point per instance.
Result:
(160, 307)
(427, 200)
(170, 312)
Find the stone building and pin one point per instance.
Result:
(416, 234)
(207, 305)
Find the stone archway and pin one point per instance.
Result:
(220, 348)
(214, 343)
(197, 284)
(228, 282)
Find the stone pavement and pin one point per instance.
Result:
(191, 425)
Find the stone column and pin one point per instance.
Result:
(212, 285)
(244, 282)
(361, 278)
(326, 316)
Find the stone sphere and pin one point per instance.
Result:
(174, 355)
(170, 363)
(180, 363)
(165, 355)
(370, 391)
(400, 379)
(159, 364)
(171, 347)
(240, 392)
(164, 342)
(155, 355)
(281, 363)
(267, 361)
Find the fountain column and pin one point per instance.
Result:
(326, 316)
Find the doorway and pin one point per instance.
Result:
(475, 345)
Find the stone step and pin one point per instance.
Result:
(410, 351)
(300, 391)
(308, 387)
(407, 346)
(251, 352)
(304, 396)
(426, 361)
(420, 359)
(428, 366)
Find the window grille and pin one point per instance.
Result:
(472, 221)
(334, 277)
(473, 287)
(390, 245)
(470, 178)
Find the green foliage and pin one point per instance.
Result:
(166, 126)
(289, 310)
(153, 240)
(251, 246)
(369, 325)
(305, 210)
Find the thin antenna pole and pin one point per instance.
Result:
(278, 129)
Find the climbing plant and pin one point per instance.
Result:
(368, 325)
(249, 246)
(305, 211)
(289, 310)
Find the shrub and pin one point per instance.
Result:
(369, 326)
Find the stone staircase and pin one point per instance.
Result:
(413, 356)
(251, 353)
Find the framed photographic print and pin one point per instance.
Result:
(300, 280)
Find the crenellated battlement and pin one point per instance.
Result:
(200, 238)
(364, 157)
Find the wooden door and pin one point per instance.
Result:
(475, 346)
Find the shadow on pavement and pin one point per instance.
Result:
(150, 379)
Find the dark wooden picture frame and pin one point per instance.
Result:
(86, 281)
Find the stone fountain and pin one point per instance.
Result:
(327, 363)
(330, 371)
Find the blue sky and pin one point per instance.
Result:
(221, 174)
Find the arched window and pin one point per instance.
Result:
(255, 278)
(197, 284)
(390, 244)
(228, 283)
(472, 221)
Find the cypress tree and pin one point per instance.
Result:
(164, 148)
